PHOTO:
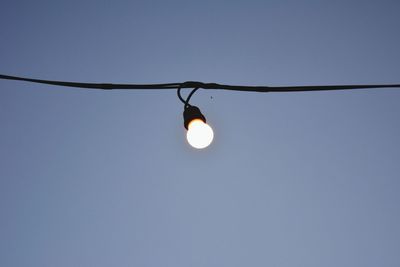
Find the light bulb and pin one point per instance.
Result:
(199, 134)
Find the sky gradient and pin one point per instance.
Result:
(106, 178)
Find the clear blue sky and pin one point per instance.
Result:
(93, 178)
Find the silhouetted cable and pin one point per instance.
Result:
(190, 96)
(180, 96)
(186, 102)
(193, 84)
(103, 86)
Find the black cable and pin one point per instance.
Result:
(186, 102)
(180, 96)
(103, 86)
(266, 89)
(192, 84)
(190, 96)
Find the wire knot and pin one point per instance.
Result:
(195, 84)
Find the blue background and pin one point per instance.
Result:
(106, 178)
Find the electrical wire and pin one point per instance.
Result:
(194, 84)
(186, 102)
(180, 96)
(103, 86)
(190, 96)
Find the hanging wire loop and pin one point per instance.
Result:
(186, 102)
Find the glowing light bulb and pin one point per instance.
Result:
(199, 134)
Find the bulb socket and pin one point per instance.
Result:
(191, 113)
